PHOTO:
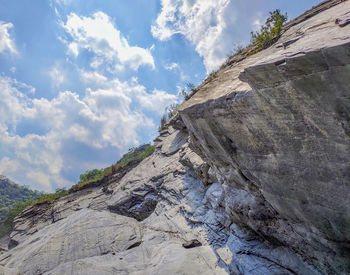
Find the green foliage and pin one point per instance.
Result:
(7, 225)
(269, 31)
(95, 175)
(92, 175)
(211, 76)
(134, 154)
(49, 197)
(89, 177)
(11, 193)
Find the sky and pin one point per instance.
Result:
(82, 81)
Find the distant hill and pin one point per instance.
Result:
(11, 193)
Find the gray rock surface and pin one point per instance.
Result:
(78, 234)
(251, 177)
(284, 141)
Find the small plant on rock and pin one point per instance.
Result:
(270, 31)
(211, 76)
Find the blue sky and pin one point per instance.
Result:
(82, 81)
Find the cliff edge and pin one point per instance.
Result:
(251, 177)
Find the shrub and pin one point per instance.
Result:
(135, 154)
(91, 175)
(269, 31)
(211, 76)
(49, 197)
(95, 175)
(7, 225)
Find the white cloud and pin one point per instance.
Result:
(13, 70)
(257, 21)
(55, 4)
(157, 101)
(111, 115)
(8, 166)
(93, 77)
(11, 102)
(63, 2)
(176, 68)
(6, 42)
(57, 76)
(256, 24)
(73, 48)
(42, 179)
(32, 153)
(207, 24)
(97, 34)
(171, 66)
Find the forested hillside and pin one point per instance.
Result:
(11, 193)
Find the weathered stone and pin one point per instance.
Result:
(285, 143)
(192, 244)
(252, 175)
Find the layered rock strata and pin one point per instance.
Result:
(252, 176)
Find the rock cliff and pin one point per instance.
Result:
(251, 177)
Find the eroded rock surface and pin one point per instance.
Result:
(284, 140)
(252, 177)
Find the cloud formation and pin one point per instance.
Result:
(57, 76)
(6, 41)
(172, 66)
(97, 34)
(205, 23)
(108, 116)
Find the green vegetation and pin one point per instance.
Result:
(270, 31)
(12, 193)
(7, 225)
(35, 197)
(267, 35)
(50, 197)
(211, 76)
(136, 154)
(14, 198)
(133, 155)
(92, 175)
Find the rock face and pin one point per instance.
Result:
(252, 176)
(286, 141)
